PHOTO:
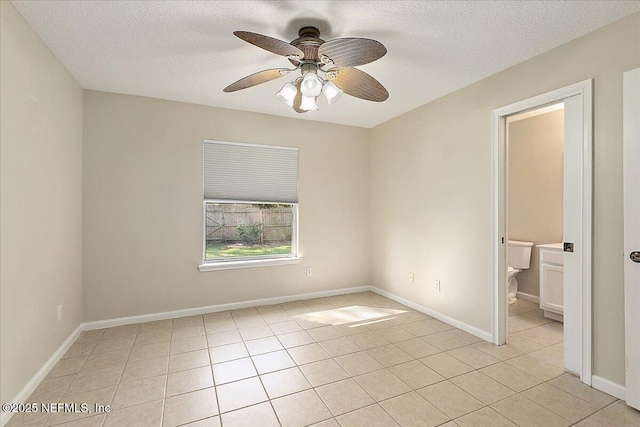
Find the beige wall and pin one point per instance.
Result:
(143, 206)
(431, 187)
(536, 146)
(41, 202)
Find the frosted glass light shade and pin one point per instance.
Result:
(311, 84)
(331, 92)
(287, 94)
(308, 103)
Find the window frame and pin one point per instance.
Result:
(250, 261)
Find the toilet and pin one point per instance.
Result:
(518, 259)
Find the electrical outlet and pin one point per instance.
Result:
(308, 271)
(437, 285)
(411, 278)
(60, 312)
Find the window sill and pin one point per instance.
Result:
(232, 265)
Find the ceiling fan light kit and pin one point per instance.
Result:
(287, 94)
(325, 67)
(331, 92)
(308, 103)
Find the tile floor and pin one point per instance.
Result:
(352, 360)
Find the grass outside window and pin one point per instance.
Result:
(217, 250)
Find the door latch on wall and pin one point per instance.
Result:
(568, 247)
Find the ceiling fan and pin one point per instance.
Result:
(326, 67)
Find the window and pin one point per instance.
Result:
(250, 204)
(256, 230)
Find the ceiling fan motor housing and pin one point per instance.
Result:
(308, 41)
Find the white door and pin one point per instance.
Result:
(573, 201)
(631, 120)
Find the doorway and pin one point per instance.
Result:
(575, 251)
(535, 228)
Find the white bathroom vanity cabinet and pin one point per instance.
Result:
(552, 280)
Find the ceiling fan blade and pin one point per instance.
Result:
(350, 52)
(298, 99)
(360, 84)
(256, 79)
(276, 46)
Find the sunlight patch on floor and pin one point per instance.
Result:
(352, 314)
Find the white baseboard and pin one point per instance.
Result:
(109, 323)
(487, 336)
(528, 297)
(609, 387)
(26, 391)
(554, 316)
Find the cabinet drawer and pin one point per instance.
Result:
(552, 257)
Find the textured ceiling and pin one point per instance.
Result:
(185, 51)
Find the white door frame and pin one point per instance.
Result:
(631, 138)
(499, 149)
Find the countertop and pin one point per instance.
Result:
(554, 246)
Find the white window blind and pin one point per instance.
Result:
(245, 172)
